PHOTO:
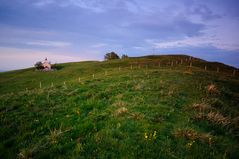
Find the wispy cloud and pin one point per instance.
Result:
(97, 6)
(99, 45)
(92, 5)
(200, 42)
(139, 48)
(43, 3)
(185, 42)
(216, 34)
(18, 36)
(13, 58)
(49, 43)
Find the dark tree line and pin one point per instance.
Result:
(113, 55)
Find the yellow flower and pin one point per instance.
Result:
(189, 145)
(154, 135)
(145, 136)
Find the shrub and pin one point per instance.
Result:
(39, 65)
(111, 56)
(124, 56)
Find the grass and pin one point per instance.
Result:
(142, 110)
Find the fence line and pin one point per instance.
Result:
(159, 65)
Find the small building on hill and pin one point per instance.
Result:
(46, 65)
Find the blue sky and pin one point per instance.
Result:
(76, 30)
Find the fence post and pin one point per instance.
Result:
(181, 61)
(191, 64)
(93, 76)
(234, 72)
(218, 70)
(171, 63)
(205, 68)
(131, 67)
(79, 79)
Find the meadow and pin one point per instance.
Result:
(171, 106)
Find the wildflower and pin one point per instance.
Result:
(145, 136)
(189, 145)
(210, 140)
(154, 135)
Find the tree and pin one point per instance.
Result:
(38, 65)
(111, 56)
(124, 56)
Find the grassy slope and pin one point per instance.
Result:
(143, 112)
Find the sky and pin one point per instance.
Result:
(78, 30)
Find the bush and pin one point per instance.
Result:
(124, 56)
(111, 56)
(39, 65)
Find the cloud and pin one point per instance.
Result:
(138, 48)
(199, 41)
(48, 43)
(203, 10)
(185, 42)
(43, 3)
(13, 58)
(99, 45)
(92, 5)
(162, 28)
(97, 6)
(218, 33)
(28, 37)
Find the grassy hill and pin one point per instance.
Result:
(167, 106)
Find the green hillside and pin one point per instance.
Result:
(167, 106)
